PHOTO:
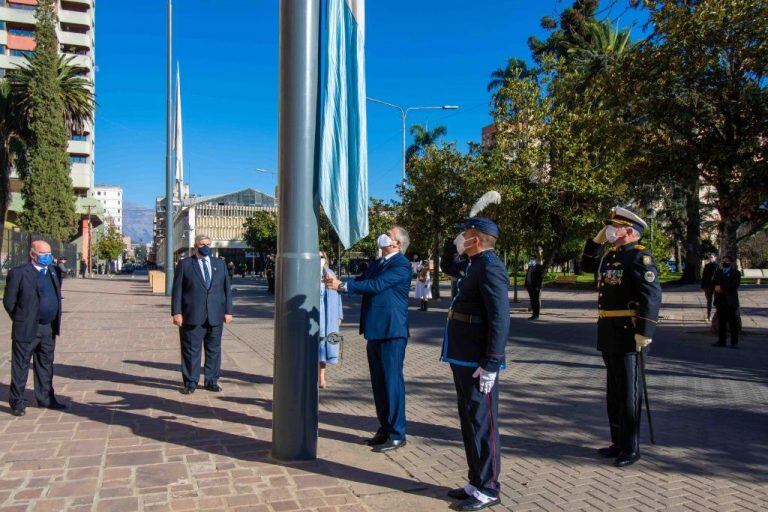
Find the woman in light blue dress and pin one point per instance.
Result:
(331, 315)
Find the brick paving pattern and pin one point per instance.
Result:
(130, 441)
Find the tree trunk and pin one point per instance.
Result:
(436, 270)
(728, 237)
(514, 273)
(692, 242)
(5, 196)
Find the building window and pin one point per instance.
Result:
(22, 7)
(79, 137)
(14, 31)
(22, 53)
(78, 159)
(3, 49)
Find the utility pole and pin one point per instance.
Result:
(90, 244)
(169, 160)
(297, 301)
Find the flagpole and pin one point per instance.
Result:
(168, 161)
(297, 298)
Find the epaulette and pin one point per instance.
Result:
(640, 247)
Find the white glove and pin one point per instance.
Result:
(641, 342)
(487, 380)
(600, 238)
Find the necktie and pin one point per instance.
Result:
(206, 274)
(42, 271)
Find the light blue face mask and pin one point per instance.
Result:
(44, 259)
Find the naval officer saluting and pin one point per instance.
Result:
(629, 299)
(475, 338)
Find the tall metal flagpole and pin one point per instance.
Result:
(169, 162)
(297, 301)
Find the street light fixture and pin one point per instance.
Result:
(404, 113)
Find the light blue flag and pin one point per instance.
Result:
(341, 175)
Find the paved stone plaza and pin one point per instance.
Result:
(130, 441)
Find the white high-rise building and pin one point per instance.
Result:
(76, 33)
(111, 198)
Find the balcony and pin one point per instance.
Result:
(81, 61)
(17, 15)
(75, 39)
(76, 18)
(82, 175)
(80, 147)
(89, 3)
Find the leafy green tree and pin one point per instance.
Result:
(434, 200)
(381, 217)
(260, 232)
(49, 202)
(110, 245)
(423, 138)
(572, 29)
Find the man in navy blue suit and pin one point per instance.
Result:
(33, 301)
(200, 304)
(385, 285)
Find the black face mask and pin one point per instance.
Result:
(726, 264)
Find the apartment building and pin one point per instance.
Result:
(76, 33)
(111, 198)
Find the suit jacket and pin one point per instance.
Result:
(193, 301)
(729, 287)
(534, 277)
(385, 286)
(21, 301)
(706, 276)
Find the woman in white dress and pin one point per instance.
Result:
(423, 285)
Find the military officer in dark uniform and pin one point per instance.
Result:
(474, 342)
(628, 310)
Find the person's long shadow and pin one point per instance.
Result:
(250, 378)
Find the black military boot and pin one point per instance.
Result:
(626, 459)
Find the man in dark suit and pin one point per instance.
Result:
(706, 283)
(725, 284)
(33, 301)
(200, 305)
(534, 279)
(385, 286)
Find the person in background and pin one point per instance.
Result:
(534, 279)
(423, 291)
(725, 284)
(231, 269)
(269, 271)
(33, 301)
(61, 269)
(83, 267)
(331, 315)
(706, 283)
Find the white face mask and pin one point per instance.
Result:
(322, 263)
(383, 241)
(459, 243)
(610, 234)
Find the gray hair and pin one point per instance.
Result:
(402, 236)
(198, 238)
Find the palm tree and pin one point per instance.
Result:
(516, 68)
(603, 47)
(423, 138)
(15, 113)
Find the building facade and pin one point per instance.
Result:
(221, 217)
(76, 31)
(111, 199)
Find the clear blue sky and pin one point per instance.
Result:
(418, 53)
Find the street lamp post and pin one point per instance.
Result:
(404, 113)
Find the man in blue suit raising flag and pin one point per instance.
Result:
(384, 323)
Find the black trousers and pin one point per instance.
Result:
(727, 318)
(479, 430)
(41, 350)
(624, 394)
(193, 339)
(535, 295)
(708, 294)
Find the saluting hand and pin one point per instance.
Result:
(600, 238)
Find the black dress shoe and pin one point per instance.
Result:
(214, 387)
(458, 494)
(473, 503)
(389, 445)
(19, 411)
(533, 317)
(187, 390)
(626, 459)
(610, 451)
(377, 439)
